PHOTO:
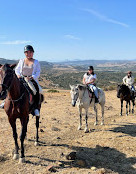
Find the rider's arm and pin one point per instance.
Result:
(84, 81)
(36, 71)
(18, 69)
(124, 80)
(132, 80)
(91, 81)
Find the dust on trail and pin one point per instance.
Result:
(110, 148)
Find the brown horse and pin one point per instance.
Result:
(125, 94)
(16, 105)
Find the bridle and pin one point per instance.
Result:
(7, 88)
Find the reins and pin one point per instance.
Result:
(8, 88)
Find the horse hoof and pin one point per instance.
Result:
(21, 160)
(102, 123)
(36, 143)
(120, 114)
(126, 114)
(86, 131)
(16, 156)
(79, 128)
(95, 124)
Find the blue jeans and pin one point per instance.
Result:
(132, 88)
(94, 89)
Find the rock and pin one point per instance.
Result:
(55, 129)
(45, 101)
(93, 168)
(81, 163)
(58, 138)
(102, 171)
(114, 121)
(41, 130)
(51, 168)
(71, 156)
(60, 164)
(62, 154)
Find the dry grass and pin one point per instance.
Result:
(110, 148)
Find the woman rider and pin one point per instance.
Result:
(89, 79)
(29, 68)
(128, 80)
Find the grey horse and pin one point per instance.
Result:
(81, 97)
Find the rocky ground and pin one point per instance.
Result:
(105, 149)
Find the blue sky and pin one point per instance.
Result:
(62, 30)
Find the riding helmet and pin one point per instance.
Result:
(90, 68)
(129, 72)
(28, 48)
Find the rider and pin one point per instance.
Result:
(29, 68)
(89, 79)
(128, 80)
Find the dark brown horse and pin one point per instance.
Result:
(124, 93)
(16, 105)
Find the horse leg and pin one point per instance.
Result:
(133, 101)
(13, 125)
(121, 107)
(129, 107)
(126, 108)
(37, 126)
(86, 125)
(96, 118)
(102, 118)
(22, 137)
(80, 115)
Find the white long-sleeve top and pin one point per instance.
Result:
(36, 69)
(128, 81)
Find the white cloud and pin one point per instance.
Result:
(105, 18)
(15, 42)
(72, 37)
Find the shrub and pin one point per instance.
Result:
(53, 91)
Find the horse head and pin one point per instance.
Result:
(122, 89)
(6, 76)
(74, 94)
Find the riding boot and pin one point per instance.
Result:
(96, 100)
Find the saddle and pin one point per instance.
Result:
(32, 98)
(91, 93)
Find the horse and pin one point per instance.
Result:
(16, 105)
(82, 97)
(124, 93)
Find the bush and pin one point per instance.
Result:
(53, 91)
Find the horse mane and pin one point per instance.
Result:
(82, 87)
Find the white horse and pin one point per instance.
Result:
(81, 97)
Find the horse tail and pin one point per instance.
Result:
(42, 98)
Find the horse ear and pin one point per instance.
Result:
(70, 86)
(80, 87)
(0, 65)
(13, 66)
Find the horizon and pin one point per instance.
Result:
(71, 29)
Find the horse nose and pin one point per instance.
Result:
(73, 103)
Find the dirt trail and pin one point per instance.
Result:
(110, 148)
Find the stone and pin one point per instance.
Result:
(51, 168)
(102, 171)
(93, 168)
(41, 130)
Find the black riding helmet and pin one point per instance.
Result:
(28, 48)
(90, 68)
